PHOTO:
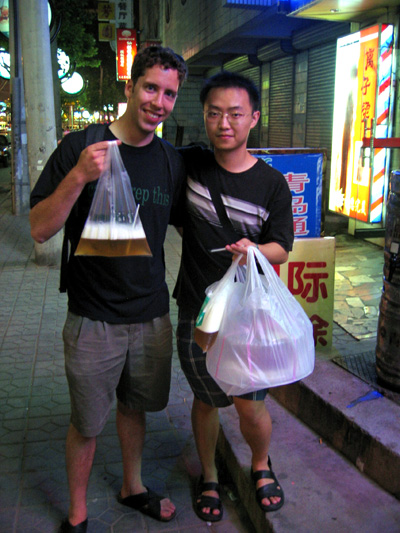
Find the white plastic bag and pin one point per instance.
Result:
(265, 338)
(212, 310)
(113, 227)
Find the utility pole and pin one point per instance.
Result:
(20, 187)
(39, 104)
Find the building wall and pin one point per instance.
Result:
(189, 26)
(300, 100)
(187, 114)
(195, 25)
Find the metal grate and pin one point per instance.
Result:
(362, 365)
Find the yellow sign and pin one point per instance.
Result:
(105, 11)
(361, 109)
(106, 31)
(309, 274)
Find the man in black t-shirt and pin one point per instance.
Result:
(257, 201)
(117, 336)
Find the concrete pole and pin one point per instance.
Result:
(39, 104)
(20, 187)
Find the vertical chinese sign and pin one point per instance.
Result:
(126, 51)
(303, 173)
(106, 16)
(309, 275)
(115, 26)
(362, 100)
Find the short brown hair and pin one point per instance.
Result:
(158, 55)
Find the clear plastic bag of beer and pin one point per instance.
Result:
(212, 310)
(265, 338)
(113, 227)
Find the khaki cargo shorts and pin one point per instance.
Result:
(129, 361)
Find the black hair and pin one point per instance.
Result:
(226, 79)
(158, 55)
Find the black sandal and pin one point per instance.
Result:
(147, 503)
(66, 527)
(208, 501)
(269, 490)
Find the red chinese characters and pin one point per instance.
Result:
(305, 279)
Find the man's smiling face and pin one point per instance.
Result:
(152, 98)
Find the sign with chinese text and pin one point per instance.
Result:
(105, 11)
(106, 32)
(303, 173)
(309, 274)
(123, 14)
(126, 51)
(362, 108)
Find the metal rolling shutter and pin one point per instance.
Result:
(281, 103)
(320, 94)
(254, 74)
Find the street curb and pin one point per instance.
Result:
(367, 433)
(340, 494)
(236, 458)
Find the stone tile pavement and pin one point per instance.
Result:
(358, 286)
(34, 404)
(34, 411)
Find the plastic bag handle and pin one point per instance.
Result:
(253, 280)
(232, 270)
(229, 276)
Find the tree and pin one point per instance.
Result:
(94, 60)
(76, 36)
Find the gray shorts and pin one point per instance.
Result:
(193, 363)
(132, 361)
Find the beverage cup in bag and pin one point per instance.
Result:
(212, 311)
(208, 323)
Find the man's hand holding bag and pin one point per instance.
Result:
(113, 227)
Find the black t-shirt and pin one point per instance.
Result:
(258, 203)
(120, 290)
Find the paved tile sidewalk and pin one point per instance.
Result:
(34, 403)
(34, 411)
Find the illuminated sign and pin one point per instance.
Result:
(74, 84)
(4, 17)
(4, 64)
(303, 173)
(63, 63)
(126, 51)
(361, 109)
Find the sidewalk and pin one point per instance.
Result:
(34, 409)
